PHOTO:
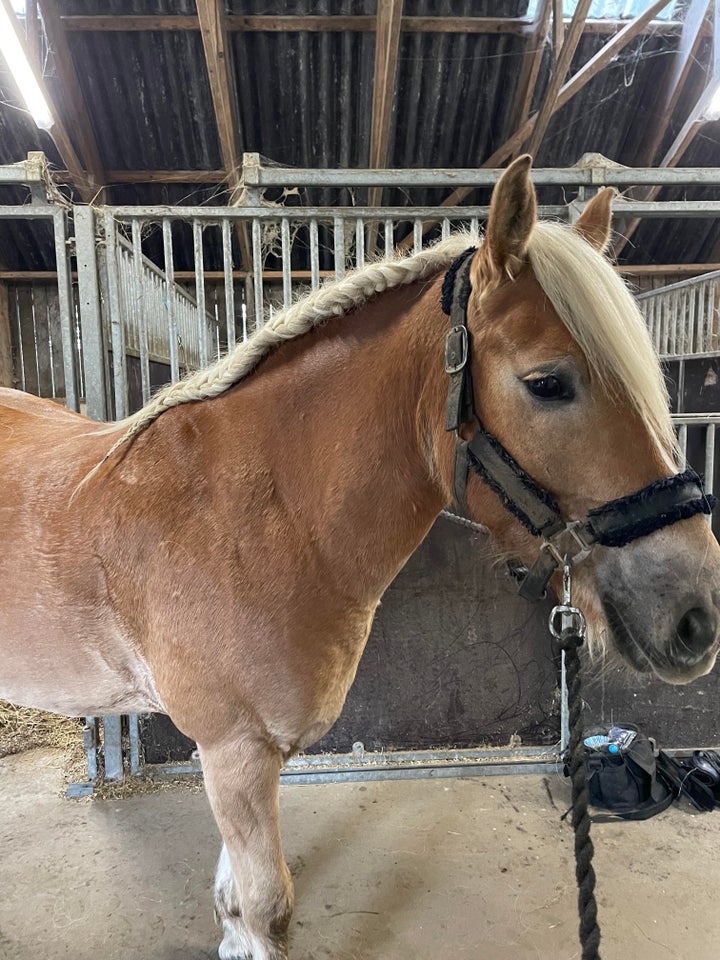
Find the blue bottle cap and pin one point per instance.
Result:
(613, 748)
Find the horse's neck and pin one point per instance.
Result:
(333, 434)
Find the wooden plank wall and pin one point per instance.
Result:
(34, 322)
(6, 358)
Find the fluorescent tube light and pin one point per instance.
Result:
(712, 111)
(12, 50)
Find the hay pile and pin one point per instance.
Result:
(22, 728)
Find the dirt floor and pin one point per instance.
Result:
(475, 868)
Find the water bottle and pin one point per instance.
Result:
(597, 742)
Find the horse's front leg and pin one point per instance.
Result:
(253, 889)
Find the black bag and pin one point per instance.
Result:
(625, 783)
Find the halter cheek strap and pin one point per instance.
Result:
(614, 524)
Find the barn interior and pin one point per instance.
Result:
(200, 166)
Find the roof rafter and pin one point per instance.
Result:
(516, 25)
(693, 29)
(387, 43)
(211, 16)
(574, 85)
(560, 70)
(74, 100)
(532, 61)
(58, 132)
(558, 28)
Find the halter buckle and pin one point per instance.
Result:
(456, 349)
(560, 545)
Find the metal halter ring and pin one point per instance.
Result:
(564, 617)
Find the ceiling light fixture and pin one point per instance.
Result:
(712, 110)
(13, 50)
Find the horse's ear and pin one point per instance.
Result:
(595, 222)
(511, 218)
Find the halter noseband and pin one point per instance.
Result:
(614, 524)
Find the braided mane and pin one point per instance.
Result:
(589, 296)
(332, 299)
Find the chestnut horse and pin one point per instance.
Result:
(223, 562)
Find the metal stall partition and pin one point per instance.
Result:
(683, 317)
(45, 340)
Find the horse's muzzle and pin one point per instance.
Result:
(688, 653)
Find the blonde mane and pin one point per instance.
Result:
(588, 295)
(602, 317)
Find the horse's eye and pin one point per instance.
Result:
(548, 388)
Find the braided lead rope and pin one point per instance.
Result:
(589, 931)
(567, 625)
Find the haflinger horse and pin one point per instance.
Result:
(220, 558)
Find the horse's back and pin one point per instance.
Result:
(24, 410)
(40, 435)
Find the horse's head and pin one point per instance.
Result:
(565, 377)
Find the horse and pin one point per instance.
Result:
(219, 556)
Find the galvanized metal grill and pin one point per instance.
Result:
(683, 317)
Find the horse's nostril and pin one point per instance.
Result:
(694, 635)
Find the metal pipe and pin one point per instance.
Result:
(257, 272)
(314, 256)
(339, 246)
(66, 311)
(484, 177)
(200, 291)
(139, 310)
(286, 263)
(116, 326)
(228, 284)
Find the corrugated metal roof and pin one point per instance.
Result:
(305, 99)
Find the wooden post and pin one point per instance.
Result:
(6, 364)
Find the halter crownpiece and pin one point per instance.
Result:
(614, 524)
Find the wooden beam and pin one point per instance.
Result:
(217, 59)
(558, 28)
(74, 99)
(58, 131)
(363, 24)
(294, 24)
(605, 55)
(679, 269)
(664, 107)
(387, 42)
(585, 74)
(32, 31)
(532, 61)
(560, 69)
(6, 364)
(211, 16)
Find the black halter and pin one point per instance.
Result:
(614, 524)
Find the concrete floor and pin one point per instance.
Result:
(402, 870)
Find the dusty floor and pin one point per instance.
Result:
(409, 870)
